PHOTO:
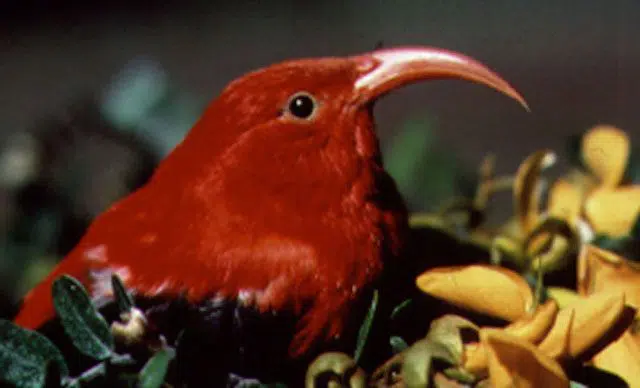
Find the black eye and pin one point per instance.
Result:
(302, 105)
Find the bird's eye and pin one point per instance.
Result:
(302, 105)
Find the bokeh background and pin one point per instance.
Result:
(93, 94)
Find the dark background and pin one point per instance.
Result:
(576, 62)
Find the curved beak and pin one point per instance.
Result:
(384, 70)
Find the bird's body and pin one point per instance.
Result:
(266, 201)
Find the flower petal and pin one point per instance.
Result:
(526, 188)
(622, 357)
(583, 181)
(556, 344)
(534, 328)
(600, 270)
(605, 150)
(565, 201)
(583, 324)
(613, 212)
(475, 359)
(490, 290)
(563, 296)
(514, 362)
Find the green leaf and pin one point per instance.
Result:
(25, 356)
(398, 309)
(123, 298)
(363, 334)
(155, 370)
(424, 172)
(418, 360)
(86, 328)
(397, 344)
(406, 151)
(447, 332)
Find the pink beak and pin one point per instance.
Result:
(387, 69)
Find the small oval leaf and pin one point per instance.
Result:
(86, 328)
(25, 355)
(155, 370)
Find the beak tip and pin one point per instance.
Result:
(523, 103)
(511, 92)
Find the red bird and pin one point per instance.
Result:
(277, 197)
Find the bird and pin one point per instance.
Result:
(277, 197)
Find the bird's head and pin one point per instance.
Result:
(324, 101)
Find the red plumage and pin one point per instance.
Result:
(283, 212)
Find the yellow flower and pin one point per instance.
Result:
(536, 237)
(513, 362)
(535, 327)
(583, 324)
(613, 212)
(601, 271)
(583, 327)
(531, 328)
(609, 207)
(565, 201)
(605, 150)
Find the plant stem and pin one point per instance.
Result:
(98, 370)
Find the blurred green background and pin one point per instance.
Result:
(94, 93)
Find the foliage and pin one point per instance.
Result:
(26, 354)
(424, 171)
(550, 297)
